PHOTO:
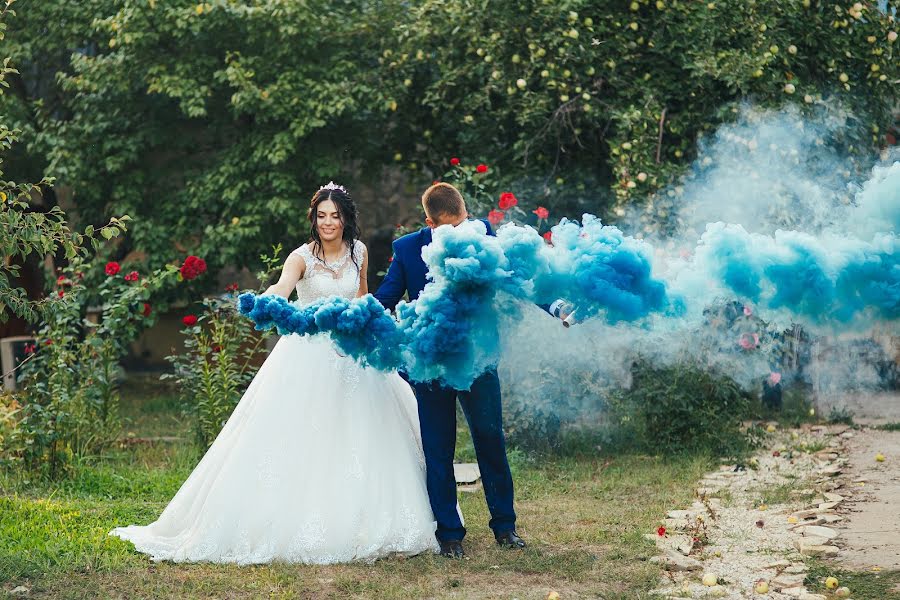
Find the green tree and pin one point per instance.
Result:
(25, 231)
(211, 122)
(576, 95)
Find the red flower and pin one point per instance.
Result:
(231, 287)
(507, 200)
(495, 217)
(661, 531)
(454, 161)
(61, 280)
(193, 267)
(147, 309)
(61, 293)
(189, 320)
(216, 348)
(29, 348)
(548, 237)
(112, 268)
(541, 212)
(133, 276)
(48, 342)
(482, 168)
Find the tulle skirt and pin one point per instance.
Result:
(320, 462)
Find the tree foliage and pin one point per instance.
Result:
(25, 231)
(212, 122)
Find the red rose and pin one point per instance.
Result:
(482, 168)
(231, 287)
(454, 161)
(193, 267)
(541, 212)
(189, 320)
(61, 293)
(133, 276)
(147, 309)
(507, 200)
(112, 268)
(48, 342)
(61, 280)
(661, 531)
(495, 217)
(548, 237)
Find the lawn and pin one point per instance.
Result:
(584, 515)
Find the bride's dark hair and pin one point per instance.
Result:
(349, 218)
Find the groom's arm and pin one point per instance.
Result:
(391, 290)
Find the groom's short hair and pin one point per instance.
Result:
(442, 199)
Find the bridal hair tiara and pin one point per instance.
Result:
(332, 186)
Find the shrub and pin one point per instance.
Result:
(683, 409)
(70, 382)
(218, 362)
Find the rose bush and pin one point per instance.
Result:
(221, 352)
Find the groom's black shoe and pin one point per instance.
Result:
(453, 549)
(510, 539)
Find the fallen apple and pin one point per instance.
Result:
(710, 579)
(553, 596)
(879, 457)
(831, 582)
(842, 592)
(762, 587)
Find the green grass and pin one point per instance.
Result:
(583, 513)
(779, 494)
(888, 427)
(884, 585)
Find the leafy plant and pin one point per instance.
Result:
(683, 409)
(25, 231)
(70, 381)
(220, 358)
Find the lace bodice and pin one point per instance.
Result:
(323, 279)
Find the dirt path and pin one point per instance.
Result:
(871, 532)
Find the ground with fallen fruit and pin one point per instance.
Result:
(813, 515)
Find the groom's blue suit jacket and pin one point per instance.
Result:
(408, 271)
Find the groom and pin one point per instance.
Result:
(444, 205)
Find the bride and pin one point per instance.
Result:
(321, 461)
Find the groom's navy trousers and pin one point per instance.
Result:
(437, 413)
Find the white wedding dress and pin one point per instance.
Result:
(320, 462)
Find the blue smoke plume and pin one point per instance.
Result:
(766, 242)
(450, 333)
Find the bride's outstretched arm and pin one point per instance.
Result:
(363, 274)
(291, 273)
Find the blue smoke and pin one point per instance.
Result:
(360, 327)
(832, 283)
(450, 333)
